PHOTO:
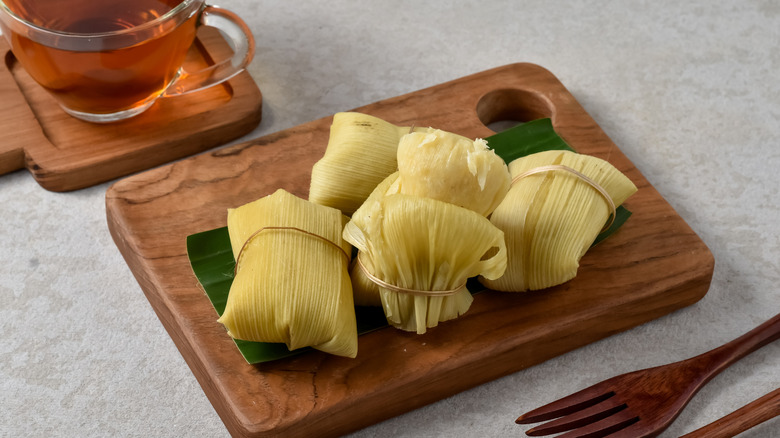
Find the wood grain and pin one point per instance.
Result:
(64, 153)
(744, 418)
(652, 266)
(644, 403)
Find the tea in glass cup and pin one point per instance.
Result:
(109, 60)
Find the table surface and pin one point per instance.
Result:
(688, 90)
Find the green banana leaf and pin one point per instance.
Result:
(211, 256)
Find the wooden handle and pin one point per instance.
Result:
(714, 361)
(751, 341)
(742, 419)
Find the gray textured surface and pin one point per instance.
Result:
(690, 91)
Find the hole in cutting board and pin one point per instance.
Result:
(502, 109)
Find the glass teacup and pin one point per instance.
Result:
(105, 61)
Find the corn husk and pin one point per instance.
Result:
(365, 291)
(550, 219)
(361, 152)
(438, 165)
(291, 287)
(452, 168)
(423, 244)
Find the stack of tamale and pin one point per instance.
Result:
(429, 210)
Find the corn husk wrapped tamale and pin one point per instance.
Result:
(424, 229)
(291, 284)
(552, 217)
(439, 165)
(361, 152)
(417, 245)
(452, 168)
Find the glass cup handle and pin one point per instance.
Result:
(240, 39)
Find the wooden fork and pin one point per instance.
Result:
(643, 403)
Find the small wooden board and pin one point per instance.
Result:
(64, 153)
(650, 267)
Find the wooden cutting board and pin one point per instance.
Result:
(64, 153)
(650, 267)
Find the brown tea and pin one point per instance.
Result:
(104, 79)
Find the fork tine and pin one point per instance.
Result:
(604, 427)
(580, 418)
(567, 405)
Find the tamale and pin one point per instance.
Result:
(291, 283)
(551, 216)
(365, 291)
(439, 165)
(361, 152)
(452, 168)
(421, 251)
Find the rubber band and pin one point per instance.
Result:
(424, 293)
(580, 175)
(256, 233)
